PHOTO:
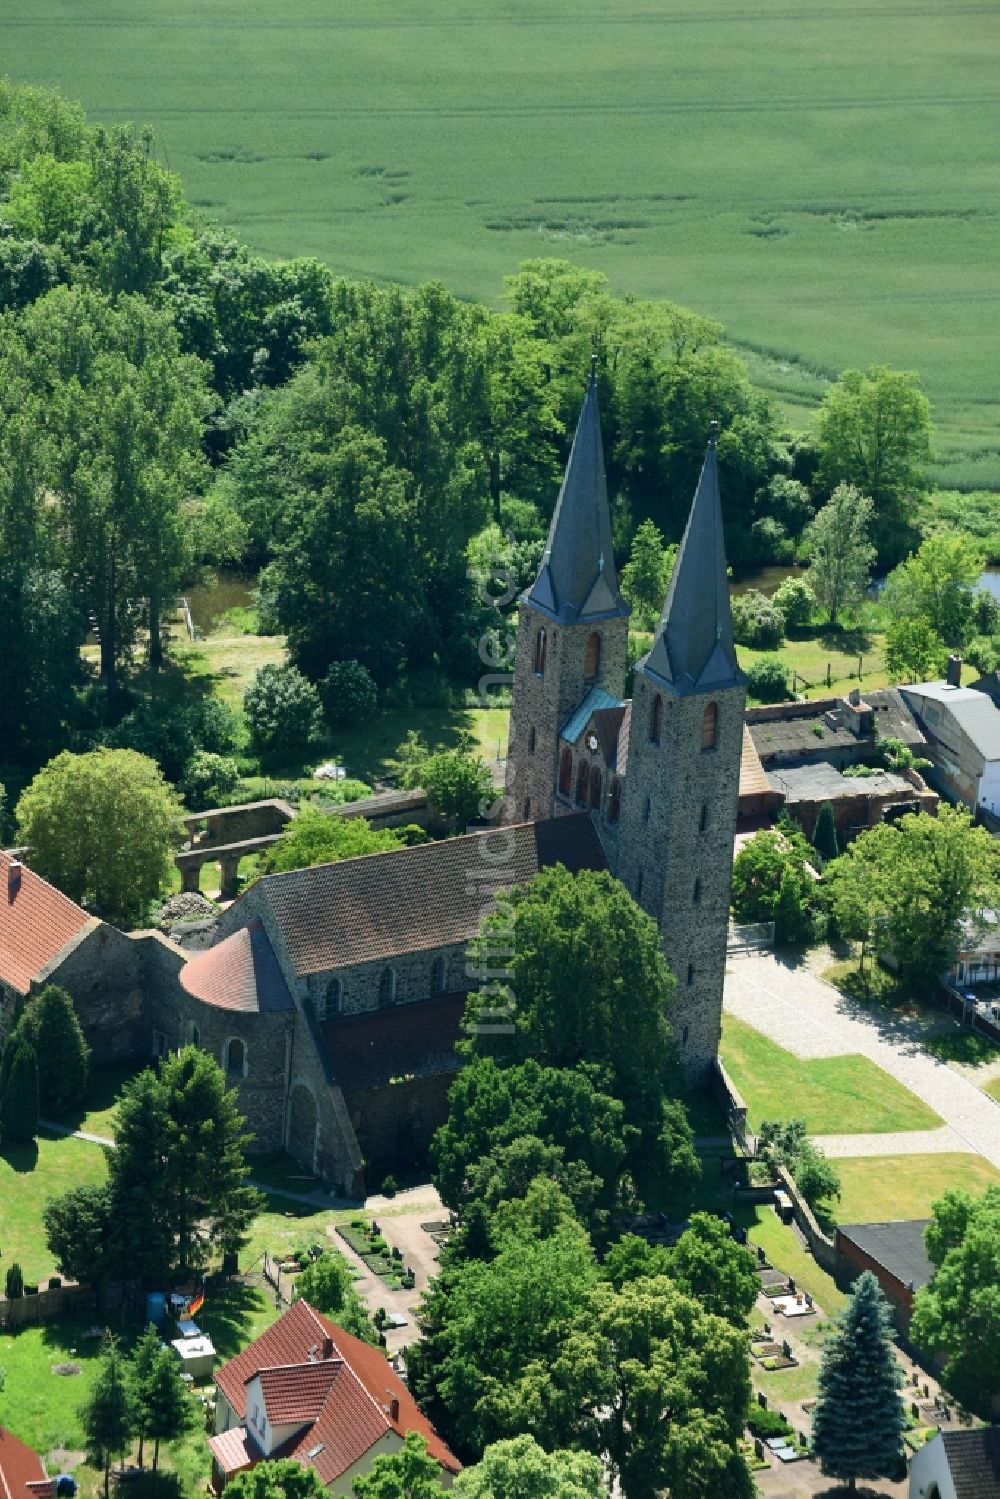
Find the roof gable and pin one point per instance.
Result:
(36, 923)
(21, 1469)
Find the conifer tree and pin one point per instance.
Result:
(51, 1024)
(791, 918)
(858, 1420)
(166, 1406)
(107, 1416)
(824, 838)
(143, 1362)
(19, 1103)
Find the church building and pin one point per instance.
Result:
(333, 996)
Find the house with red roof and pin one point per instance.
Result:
(22, 1475)
(309, 1391)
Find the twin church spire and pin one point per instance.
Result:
(692, 648)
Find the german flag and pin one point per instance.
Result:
(195, 1306)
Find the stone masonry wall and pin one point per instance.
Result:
(679, 806)
(103, 971)
(545, 702)
(360, 983)
(394, 1124)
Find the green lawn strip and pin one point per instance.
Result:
(887, 1188)
(785, 1251)
(834, 1095)
(993, 1089)
(29, 1176)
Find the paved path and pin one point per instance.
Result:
(903, 1142)
(800, 1012)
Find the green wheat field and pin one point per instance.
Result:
(820, 175)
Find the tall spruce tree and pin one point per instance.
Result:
(107, 1416)
(19, 1103)
(167, 1408)
(858, 1421)
(824, 838)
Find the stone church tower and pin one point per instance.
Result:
(679, 799)
(659, 774)
(572, 633)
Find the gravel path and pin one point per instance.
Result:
(792, 1007)
(909, 1142)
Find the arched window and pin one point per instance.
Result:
(387, 987)
(614, 799)
(566, 771)
(697, 892)
(690, 973)
(531, 740)
(527, 809)
(638, 886)
(703, 819)
(582, 783)
(656, 720)
(540, 653)
(684, 1036)
(595, 788)
(647, 807)
(235, 1062)
(592, 664)
(710, 727)
(195, 1036)
(330, 1001)
(437, 976)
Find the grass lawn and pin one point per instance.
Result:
(834, 1095)
(886, 1188)
(29, 1176)
(96, 1115)
(993, 1089)
(837, 650)
(819, 178)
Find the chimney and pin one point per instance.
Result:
(954, 678)
(13, 877)
(328, 1348)
(394, 1410)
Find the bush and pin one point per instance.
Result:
(208, 779)
(390, 1186)
(31, 1289)
(796, 601)
(14, 1285)
(348, 693)
(757, 622)
(457, 785)
(283, 713)
(55, 1282)
(767, 1423)
(769, 543)
(767, 681)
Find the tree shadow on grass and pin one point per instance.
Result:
(103, 1088)
(21, 1158)
(230, 1307)
(852, 642)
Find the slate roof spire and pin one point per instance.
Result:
(577, 579)
(693, 649)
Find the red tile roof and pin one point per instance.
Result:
(409, 900)
(20, 1468)
(36, 922)
(370, 1048)
(234, 1450)
(239, 973)
(360, 1385)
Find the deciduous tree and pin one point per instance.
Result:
(316, 838)
(874, 432)
(938, 584)
(278, 1478)
(101, 827)
(409, 1473)
(841, 553)
(958, 1314)
(520, 1469)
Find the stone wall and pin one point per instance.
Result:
(678, 821)
(394, 1124)
(103, 970)
(542, 702)
(413, 978)
(318, 1125)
